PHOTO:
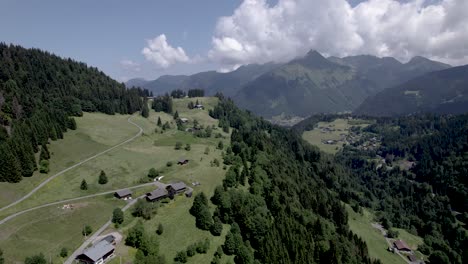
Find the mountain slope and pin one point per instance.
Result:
(443, 91)
(38, 94)
(304, 86)
(210, 81)
(388, 72)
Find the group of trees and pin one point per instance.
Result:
(200, 247)
(146, 244)
(144, 209)
(287, 215)
(196, 93)
(163, 103)
(39, 94)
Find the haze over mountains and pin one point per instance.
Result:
(303, 86)
(443, 91)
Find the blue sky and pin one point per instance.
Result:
(128, 39)
(104, 32)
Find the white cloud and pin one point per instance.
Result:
(162, 54)
(130, 65)
(258, 32)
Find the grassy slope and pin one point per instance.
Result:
(48, 230)
(361, 225)
(315, 137)
(77, 145)
(124, 166)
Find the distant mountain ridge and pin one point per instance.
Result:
(443, 91)
(306, 85)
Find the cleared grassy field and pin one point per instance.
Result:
(125, 166)
(361, 225)
(340, 126)
(50, 229)
(96, 132)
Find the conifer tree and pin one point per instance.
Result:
(159, 121)
(176, 115)
(102, 178)
(84, 185)
(45, 155)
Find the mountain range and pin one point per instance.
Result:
(307, 85)
(443, 91)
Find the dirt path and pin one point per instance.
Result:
(8, 218)
(74, 166)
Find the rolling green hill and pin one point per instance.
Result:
(443, 91)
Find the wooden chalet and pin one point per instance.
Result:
(123, 194)
(401, 246)
(156, 195)
(97, 254)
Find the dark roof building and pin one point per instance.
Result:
(401, 245)
(412, 258)
(156, 195)
(182, 161)
(123, 193)
(97, 254)
(178, 186)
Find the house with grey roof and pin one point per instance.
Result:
(97, 254)
(156, 195)
(123, 194)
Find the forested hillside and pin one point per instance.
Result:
(421, 186)
(287, 214)
(39, 94)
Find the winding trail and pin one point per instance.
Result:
(74, 166)
(8, 218)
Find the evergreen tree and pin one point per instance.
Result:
(176, 115)
(217, 227)
(2, 260)
(160, 229)
(84, 185)
(102, 178)
(159, 122)
(187, 147)
(178, 145)
(145, 109)
(220, 145)
(117, 216)
(10, 169)
(45, 155)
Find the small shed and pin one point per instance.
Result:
(97, 254)
(199, 106)
(401, 245)
(182, 161)
(184, 120)
(123, 194)
(189, 193)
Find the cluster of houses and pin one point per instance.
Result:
(350, 137)
(169, 192)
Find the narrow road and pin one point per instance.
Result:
(389, 242)
(8, 218)
(74, 166)
(96, 234)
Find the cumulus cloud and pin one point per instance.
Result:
(258, 32)
(162, 54)
(130, 65)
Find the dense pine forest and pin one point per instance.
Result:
(428, 198)
(39, 95)
(287, 214)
